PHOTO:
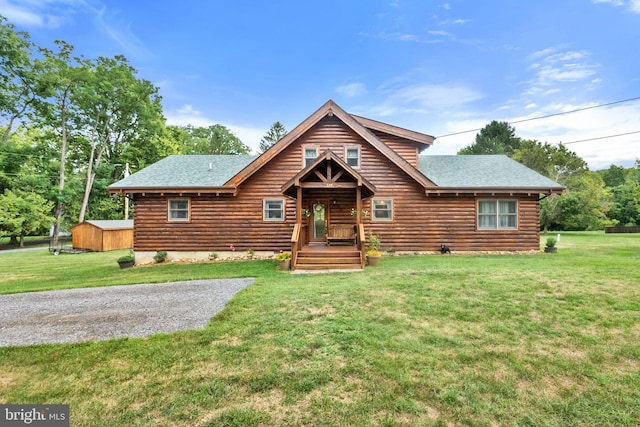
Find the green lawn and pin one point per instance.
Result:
(527, 340)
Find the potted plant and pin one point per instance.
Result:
(306, 213)
(551, 245)
(284, 260)
(373, 250)
(127, 261)
(250, 253)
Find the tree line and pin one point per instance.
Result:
(70, 126)
(592, 199)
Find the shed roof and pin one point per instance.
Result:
(186, 172)
(483, 171)
(108, 224)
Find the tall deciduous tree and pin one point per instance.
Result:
(19, 76)
(273, 135)
(116, 109)
(494, 138)
(60, 79)
(216, 139)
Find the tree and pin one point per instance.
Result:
(614, 176)
(554, 162)
(585, 204)
(494, 138)
(61, 79)
(23, 214)
(116, 108)
(273, 135)
(20, 88)
(216, 139)
(626, 204)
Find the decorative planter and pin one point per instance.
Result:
(284, 265)
(549, 249)
(126, 264)
(373, 260)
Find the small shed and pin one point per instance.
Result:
(103, 235)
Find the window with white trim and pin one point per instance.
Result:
(178, 210)
(273, 210)
(497, 214)
(310, 154)
(352, 156)
(382, 209)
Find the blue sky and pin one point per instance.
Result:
(437, 67)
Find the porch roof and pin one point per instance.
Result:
(343, 176)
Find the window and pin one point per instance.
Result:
(273, 210)
(310, 154)
(179, 210)
(497, 214)
(382, 209)
(352, 156)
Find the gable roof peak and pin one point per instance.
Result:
(329, 108)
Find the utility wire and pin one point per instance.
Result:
(600, 137)
(553, 115)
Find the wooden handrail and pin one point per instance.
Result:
(295, 242)
(360, 239)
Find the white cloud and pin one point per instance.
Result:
(121, 33)
(553, 68)
(634, 5)
(33, 16)
(616, 3)
(352, 90)
(431, 96)
(49, 14)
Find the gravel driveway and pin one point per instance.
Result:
(94, 314)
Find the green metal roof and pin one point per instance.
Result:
(482, 171)
(187, 171)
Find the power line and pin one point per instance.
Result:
(600, 137)
(552, 115)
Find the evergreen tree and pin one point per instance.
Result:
(275, 133)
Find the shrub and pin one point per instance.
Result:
(160, 256)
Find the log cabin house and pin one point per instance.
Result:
(320, 190)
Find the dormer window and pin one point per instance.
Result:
(310, 154)
(352, 156)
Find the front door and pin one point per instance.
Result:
(319, 222)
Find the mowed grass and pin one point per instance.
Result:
(515, 339)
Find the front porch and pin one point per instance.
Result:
(329, 231)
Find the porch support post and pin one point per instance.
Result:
(299, 206)
(358, 204)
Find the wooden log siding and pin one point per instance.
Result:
(420, 222)
(407, 149)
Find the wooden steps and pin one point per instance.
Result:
(333, 258)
